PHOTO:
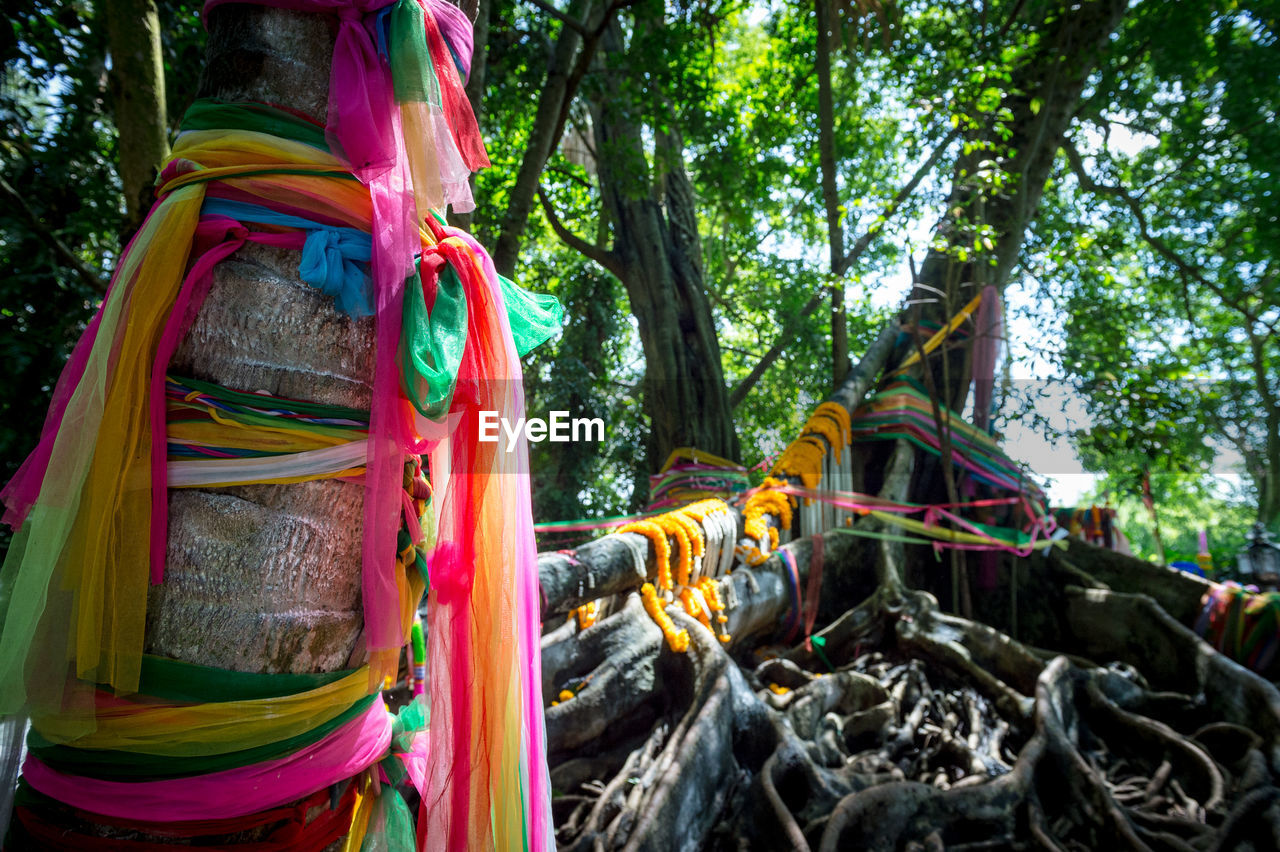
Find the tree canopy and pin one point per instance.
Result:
(724, 193)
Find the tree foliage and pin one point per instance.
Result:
(62, 222)
(1160, 247)
(1155, 242)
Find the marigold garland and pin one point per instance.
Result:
(766, 501)
(803, 459)
(671, 523)
(699, 597)
(840, 414)
(702, 508)
(677, 640)
(691, 605)
(587, 615)
(828, 428)
(710, 589)
(651, 530)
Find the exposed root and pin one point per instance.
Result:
(932, 732)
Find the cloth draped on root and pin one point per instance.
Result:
(1243, 625)
(90, 504)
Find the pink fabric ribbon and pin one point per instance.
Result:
(216, 238)
(349, 750)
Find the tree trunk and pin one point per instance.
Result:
(657, 254)
(830, 194)
(136, 81)
(264, 578)
(1043, 97)
(569, 59)
(262, 328)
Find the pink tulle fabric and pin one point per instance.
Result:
(23, 489)
(349, 750)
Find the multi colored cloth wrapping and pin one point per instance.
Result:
(690, 474)
(356, 197)
(902, 409)
(218, 437)
(1243, 625)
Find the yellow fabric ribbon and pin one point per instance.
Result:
(941, 334)
(958, 536)
(203, 729)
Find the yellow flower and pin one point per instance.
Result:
(677, 640)
(661, 547)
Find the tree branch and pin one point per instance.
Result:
(90, 278)
(792, 326)
(830, 195)
(599, 254)
(1144, 228)
(563, 18)
(897, 201)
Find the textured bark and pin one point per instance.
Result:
(266, 578)
(656, 252)
(136, 82)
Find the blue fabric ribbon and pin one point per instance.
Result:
(334, 260)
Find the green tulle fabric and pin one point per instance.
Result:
(113, 765)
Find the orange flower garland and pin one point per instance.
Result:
(674, 524)
(661, 548)
(711, 594)
(841, 416)
(699, 596)
(691, 605)
(677, 640)
(766, 502)
(829, 427)
(587, 615)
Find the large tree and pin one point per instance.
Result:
(926, 729)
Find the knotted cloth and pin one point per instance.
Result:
(90, 503)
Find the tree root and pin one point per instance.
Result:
(932, 732)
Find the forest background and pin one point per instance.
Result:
(731, 198)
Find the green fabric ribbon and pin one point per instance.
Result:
(431, 343)
(217, 114)
(127, 765)
(412, 74)
(175, 680)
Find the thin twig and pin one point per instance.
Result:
(90, 278)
